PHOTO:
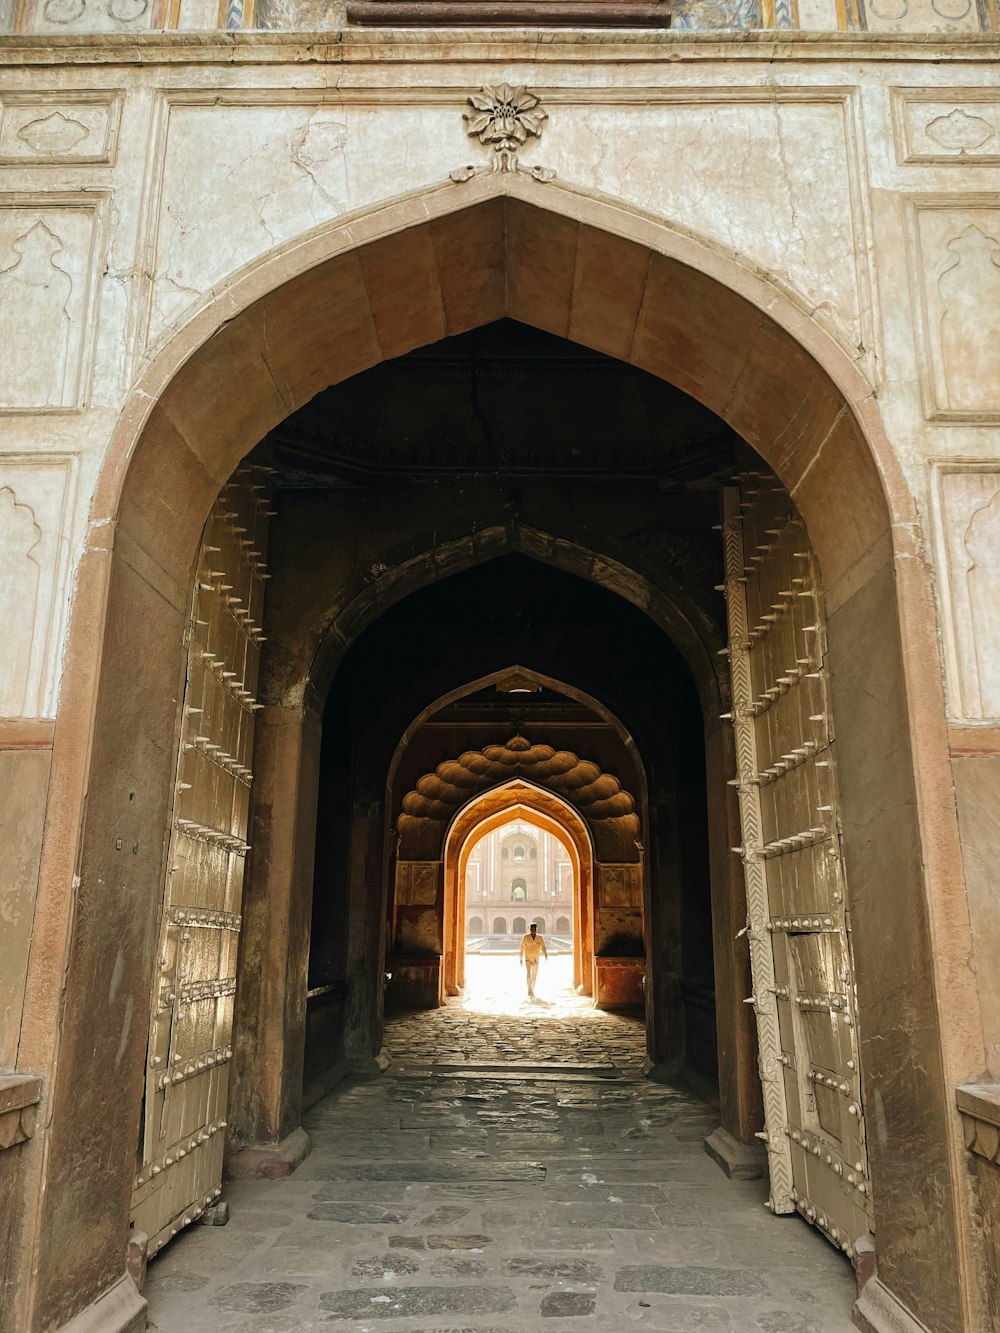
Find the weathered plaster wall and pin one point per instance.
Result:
(867, 189)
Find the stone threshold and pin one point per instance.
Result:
(535, 1073)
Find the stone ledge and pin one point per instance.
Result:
(878, 1311)
(120, 1310)
(979, 1105)
(540, 45)
(19, 1094)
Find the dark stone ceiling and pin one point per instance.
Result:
(502, 400)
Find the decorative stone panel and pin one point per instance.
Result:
(50, 246)
(620, 886)
(962, 128)
(903, 16)
(71, 16)
(955, 242)
(417, 883)
(56, 130)
(966, 512)
(37, 495)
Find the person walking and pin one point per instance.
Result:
(531, 946)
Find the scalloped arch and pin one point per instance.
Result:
(599, 797)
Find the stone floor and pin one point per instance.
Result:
(512, 1172)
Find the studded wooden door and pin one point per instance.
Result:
(798, 906)
(191, 1014)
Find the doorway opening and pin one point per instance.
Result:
(531, 871)
(622, 522)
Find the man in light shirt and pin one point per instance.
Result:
(531, 946)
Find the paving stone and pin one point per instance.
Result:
(681, 1316)
(566, 1238)
(180, 1282)
(414, 1302)
(566, 1270)
(459, 1268)
(458, 1242)
(260, 1221)
(560, 1304)
(785, 1321)
(434, 1171)
(639, 1237)
(620, 1217)
(348, 1211)
(690, 1281)
(385, 1267)
(444, 1215)
(258, 1297)
(380, 1191)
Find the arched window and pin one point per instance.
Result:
(534, 853)
(519, 927)
(518, 853)
(499, 926)
(562, 926)
(476, 925)
(540, 922)
(518, 890)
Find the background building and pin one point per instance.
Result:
(515, 875)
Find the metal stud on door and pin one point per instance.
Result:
(798, 917)
(191, 1014)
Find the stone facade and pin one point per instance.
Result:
(518, 874)
(201, 229)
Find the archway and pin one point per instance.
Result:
(546, 812)
(632, 288)
(429, 866)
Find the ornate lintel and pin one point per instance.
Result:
(502, 117)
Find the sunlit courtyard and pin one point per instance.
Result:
(495, 984)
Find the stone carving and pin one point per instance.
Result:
(46, 290)
(967, 531)
(92, 15)
(959, 132)
(970, 323)
(958, 260)
(503, 118)
(932, 130)
(36, 494)
(33, 284)
(982, 545)
(20, 536)
(34, 130)
(707, 15)
(55, 133)
(921, 16)
(604, 803)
